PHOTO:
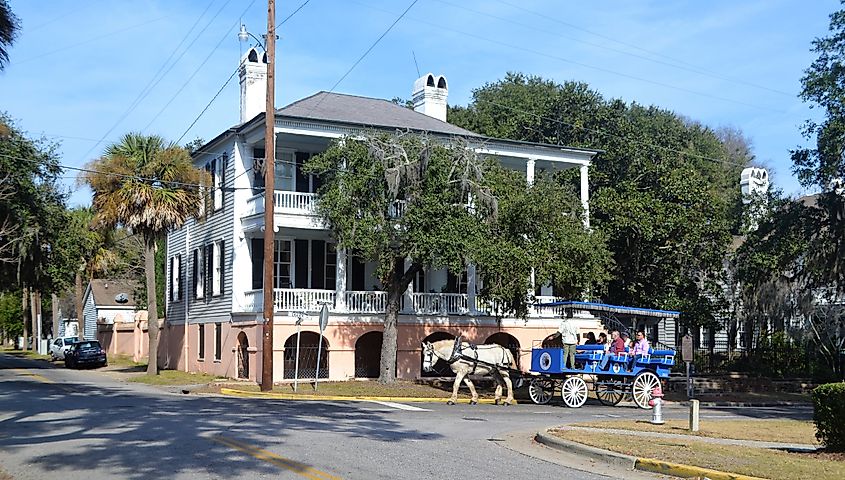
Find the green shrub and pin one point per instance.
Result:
(829, 415)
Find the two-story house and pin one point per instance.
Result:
(215, 264)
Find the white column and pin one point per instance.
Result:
(585, 194)
(529, 175)
(471, 290)
(340, 281)
(407, 297)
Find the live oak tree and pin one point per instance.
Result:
(409, 202)
(9, 27)
(147, 186)
(388, 198)
(663, 191)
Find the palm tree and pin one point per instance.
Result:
(149, 187)
(9, 26)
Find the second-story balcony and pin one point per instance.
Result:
(293, 203)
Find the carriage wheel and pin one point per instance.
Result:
(574, 392)
(609, 394)
(644, 383)
(541, 390)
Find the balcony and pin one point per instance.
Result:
(284, 202)
(359, 302)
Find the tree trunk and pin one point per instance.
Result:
(80, 319)
(152, 308)
(399, 279)
(54, 300)
(25, 312)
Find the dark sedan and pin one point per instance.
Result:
(88, 352)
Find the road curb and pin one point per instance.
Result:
(686, 471)
(635, 463)
(287, 396)
(606, 456)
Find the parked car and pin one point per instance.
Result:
(60, 346)
(87, 352)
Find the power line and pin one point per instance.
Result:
(233, 76)
(90, 40)
(156, 78)
(366, 53)
(672, 63)
(580, 64)
(197, 70)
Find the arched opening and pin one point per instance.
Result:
(553, 341)
(308, 343)
(441, 368)
(441, 82)
(368, 355)
(252, 56)
(243, 356)
(508, 341)
(430, 81)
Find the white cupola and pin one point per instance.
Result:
(253, 79)
(430, 95)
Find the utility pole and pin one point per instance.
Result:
(269, 204)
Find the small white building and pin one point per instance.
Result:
(108, 302)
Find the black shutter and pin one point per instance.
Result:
(222, 261)
(224, 160)
(318, 264)
(170, 285)
(301, 263)
(179, 272)
(257, 263)
(195, 272)
(301, 178)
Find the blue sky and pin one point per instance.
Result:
(79, 66)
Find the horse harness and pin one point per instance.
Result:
(458, 354)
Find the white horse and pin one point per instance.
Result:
(468, 360)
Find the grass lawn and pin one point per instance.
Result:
(363, 389)
(757, 462)
(785, 431)
(126, 361)
(173, 377)
(25, 354)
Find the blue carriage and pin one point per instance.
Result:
(613, 375)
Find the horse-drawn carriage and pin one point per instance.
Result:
(613, 375)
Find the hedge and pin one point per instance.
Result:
(829, 415)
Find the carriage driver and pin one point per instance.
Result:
(569, 338)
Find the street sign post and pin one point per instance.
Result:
(687, 357)
(324, 321)
(299, 318)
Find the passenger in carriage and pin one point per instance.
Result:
(640, 348)
(591, 339)
(602, 339)
(617, 345)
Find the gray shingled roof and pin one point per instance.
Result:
(369, 112)
(105, 290)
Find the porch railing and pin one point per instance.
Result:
(366, 302)
(297, 203)
(438, 304)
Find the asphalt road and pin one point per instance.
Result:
(69, 425)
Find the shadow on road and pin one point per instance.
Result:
(81, 427)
